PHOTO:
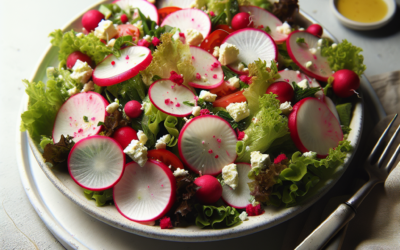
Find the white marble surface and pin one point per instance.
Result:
(24, 27)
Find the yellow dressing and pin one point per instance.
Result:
(365, 11)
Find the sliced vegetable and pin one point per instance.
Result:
(240, 196)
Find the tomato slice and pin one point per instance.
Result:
(128, 30)
(226, 100)
(224, 27)
(213, 40)
(163, 12)
(223, 89)
(166, 157)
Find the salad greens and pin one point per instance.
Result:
(216, 217)
(101, 197)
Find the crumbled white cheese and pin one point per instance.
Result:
(112, 107)
(241, 66)
(73, 91)
(176, 36)
(186, 119)
(147, 38)
(137, 151)
(79, 35)
(247, 148)
(243, 216)
(207, 96)
(60, 77)
(111, 43)
(320, 42)
(88, 86)
(245, 137)
(216, 51)
(254, 203)
(193, 37)
(142, 137)
(286, 108)
(228, 53)
(301, 28)
(309, 64)
(238, 110)
(196, 111)
(334, 45)
(81, 71)
(310, 154)
(162, 142)
(284, 28)
(180, 172)
(230, 175)
(234, 82)
(259, 160)
(105, 30)
(303, 84)
(313, 51)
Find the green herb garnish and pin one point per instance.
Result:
(85, 119)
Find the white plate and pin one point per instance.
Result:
(273, 216)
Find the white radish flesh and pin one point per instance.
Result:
(96, 163)
(296, 76)
(240, 196)
(147, 9)
(177, 3)
(209, 73)
(70, 118)
(332, 107)
(145, 193)
(207, 143)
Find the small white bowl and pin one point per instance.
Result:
(391, 4)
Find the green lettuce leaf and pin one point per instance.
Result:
(131, 89)
(101, 197)
(44, 141)
(216, 217)
(260, 3)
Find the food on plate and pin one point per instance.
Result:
(195, 112)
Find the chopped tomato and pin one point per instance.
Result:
(223, 89)
(225, 27)
(213, 40)
(166, 157)
(226, 100)
(128, 30)
(163, 12)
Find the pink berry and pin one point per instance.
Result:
(241, 20)
(91, 19)
(283, 90)
(133, 109)
(315, 29)
(77, 55)
(124, 136)
(210, 189)
(124, 18)
(144, 43)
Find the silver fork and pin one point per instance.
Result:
(346, 211)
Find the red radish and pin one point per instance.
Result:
(210, 190)
(189, 19)
(207, 143)
(283, 89)
(214, 40)
(168, 97)
(124, 18)
(241, 21)
(254, 210)
(226, 100)
(70, 119)
(250, 51)
(113, 70)
(165, 223)
(147, 9)
(209, 73)
(77, 55)
(124, 136)
(301, 54)
(315, 29)
(313, 127)
(96, 163)
(291, 76)
(133, 109)
(240, 196)
(263, 19)
(91, 19)
(345, 83)
(145, 193)
(329, 103)
(176, 3)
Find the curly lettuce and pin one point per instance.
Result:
(216, 217)
(267, 125)
(131, 89)
(101, 197)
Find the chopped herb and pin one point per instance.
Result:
(300, 40)
(300, 93)
(85, 119)
(100, 123)
(142, 55)
(267, 29)
(188, 103)
(156, 78)
(346, 129)
(241, 125)
(229, 74)
(245, 65)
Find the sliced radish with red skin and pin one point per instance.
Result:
(96, 163)
(70, 121)
(240, 196)
(113, 70)
(328, 101)
(262, 17)
(296, 76)
(145, 193)
(313, 127)
(147, 9)
(253, 44)
(168, 97)
(300, 54)
(176, 3)
(218, 149)
(207, 66)
(189, 19)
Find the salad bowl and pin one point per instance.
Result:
(110, 215)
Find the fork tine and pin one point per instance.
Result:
(373, 156)
(392, 160)
(386, 151)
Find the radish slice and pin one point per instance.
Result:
(96, 163)
(253, 44)
(207, 143)
(296, 76)
(113, 70)
(189, 19)
(70, 118)
(261, 17)
(328, 101)
(145, 193)
(209, 73)
(301, 54)
(313, 127)
(147, 9)
(177, 3)
(168, 97)
(240, 196)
